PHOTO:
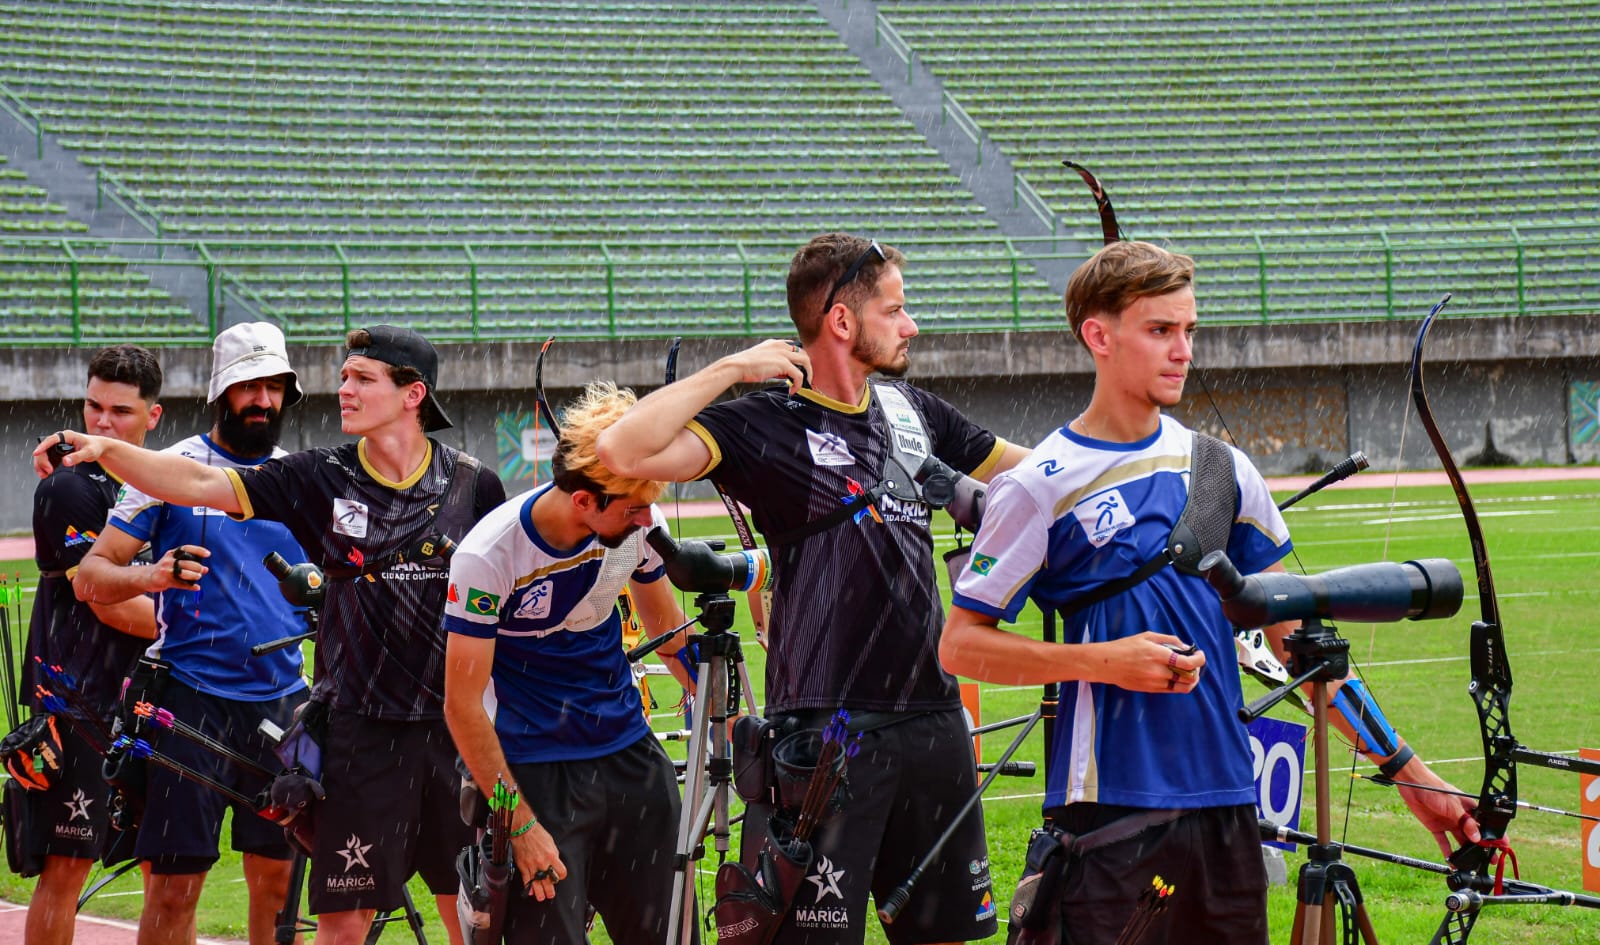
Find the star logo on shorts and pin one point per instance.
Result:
(355, 853)
(78, 807)
(826, 879)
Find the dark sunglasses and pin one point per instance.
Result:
(852, 272)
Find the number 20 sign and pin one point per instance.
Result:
(1278, 752)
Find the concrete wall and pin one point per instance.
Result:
(1297, 397)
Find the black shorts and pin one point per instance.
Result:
(182, 820)
(905, 785)
(71, 818)
(615, 822)
(1212, 856)
(393, 809)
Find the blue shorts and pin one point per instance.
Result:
(182, 820)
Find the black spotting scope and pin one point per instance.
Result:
(699, 568)
(1381, 592)
(302, 585)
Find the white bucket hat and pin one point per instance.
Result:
(249, 351)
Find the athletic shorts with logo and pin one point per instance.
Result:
(1211, 855)
(907, 782)
(615, 821)
(182, 821)
(393, 809)
(71, 817)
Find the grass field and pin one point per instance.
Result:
(1544, 541)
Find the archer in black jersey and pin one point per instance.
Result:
(381, 649)
(856, 611)
(94, 644)
(856, 614)
(69, 511)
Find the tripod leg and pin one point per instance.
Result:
(698, 798)
(288, 920)
(414, 917)
(1352, 908)
(1298, 932)
(407, 912)
(1312, 921)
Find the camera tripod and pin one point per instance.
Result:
(1318, 655)
(707, 779)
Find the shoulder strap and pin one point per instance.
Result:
(1212, 506)
(1207, 520)
(909, 446)
(908, 449)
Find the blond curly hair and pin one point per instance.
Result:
(575, 465)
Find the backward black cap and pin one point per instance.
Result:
(403, 347)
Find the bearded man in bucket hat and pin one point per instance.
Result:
(214, 602)
(378, 516)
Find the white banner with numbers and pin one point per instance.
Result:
(1278, 751)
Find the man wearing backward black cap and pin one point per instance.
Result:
(376, 515)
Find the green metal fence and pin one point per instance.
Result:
(67, 290)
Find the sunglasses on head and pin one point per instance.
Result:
(852, 272)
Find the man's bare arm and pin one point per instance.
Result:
(659, 613)
(166, 476)
(973, 645)
(1011, 456)
(651, 441)
(467, 665)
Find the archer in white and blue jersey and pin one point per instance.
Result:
(1081, 512)
(538, 691)
(561, 688)
(1149, 769)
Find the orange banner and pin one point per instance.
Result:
(1589, 804)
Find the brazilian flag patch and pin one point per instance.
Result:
(983, 564)
(482, 603)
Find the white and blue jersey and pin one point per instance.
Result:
(561, 688)
(1077, 514)
(208, 639)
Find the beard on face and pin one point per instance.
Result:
(880, 357)
(615, 541)
(246, 438)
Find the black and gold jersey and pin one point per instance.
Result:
(380, 645)
(69, 510)
(856, 612)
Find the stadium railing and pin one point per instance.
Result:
(488, 291)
